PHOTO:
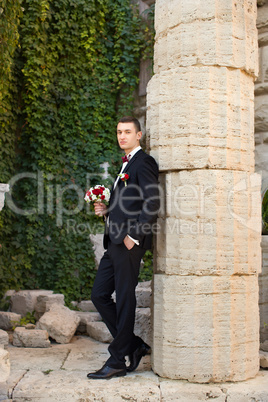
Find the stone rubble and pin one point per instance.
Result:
(87, 306)
(30, 338)
(3, 339)
(7, 320)
(60, 323)
(144, 294)
(263, 359)
(98, 331)
(143, 326)
(44, 302)
(86, 317)
(25, 301)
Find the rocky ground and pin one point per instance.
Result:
(58, 373)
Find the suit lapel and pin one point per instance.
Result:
(132, 160)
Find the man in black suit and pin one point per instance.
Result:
(130, 216)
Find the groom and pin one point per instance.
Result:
(129, 220)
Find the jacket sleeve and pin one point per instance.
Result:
(147, 176)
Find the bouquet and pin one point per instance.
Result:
(99, 193)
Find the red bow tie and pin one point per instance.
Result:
(126, 158)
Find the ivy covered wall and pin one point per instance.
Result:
(68, 69)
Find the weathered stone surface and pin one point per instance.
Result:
(143, 326)
(210, 33)
(263, 293)
(97, 241)
(67, 386)
(206, 328)
(3, 339)
(60, 323)
(86, 317)
(98, 330)
(7, 387)
(261, 154)
(4, 188)
(246, 391)
(4, 365)
(44, 302)
(86, 305)
(30, 338)
(264, 346)
(38, 358)
(59, 374)
(222, 135)
(24, 301)
(143, 295)
(208, 211)
(7, 319)
(261, 120)
(262, 18)
(263, 359)
(9, 293)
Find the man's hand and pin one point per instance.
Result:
(129, 243)
(100, 208)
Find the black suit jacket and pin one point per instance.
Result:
(133, 208)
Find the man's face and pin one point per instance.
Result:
(127, 137)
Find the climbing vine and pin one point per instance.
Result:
(72, 67)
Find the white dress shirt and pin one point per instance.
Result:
(132, 153)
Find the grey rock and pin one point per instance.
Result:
(24, 301)
(143, 327)
(86, 317)
(7, 320)
(97, 241)
(86, 305)
(60, 323)
(263, 359)
(98, 331)
(34, 338)
(44, 302)
(143, 297)
(3, 339)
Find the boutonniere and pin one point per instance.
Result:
(124, 177)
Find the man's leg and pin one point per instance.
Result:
(102, 290)
(126, 265)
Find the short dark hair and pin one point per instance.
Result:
(130, 119)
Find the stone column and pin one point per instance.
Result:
(201, 129)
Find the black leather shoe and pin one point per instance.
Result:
(107, 372)
(136, 356)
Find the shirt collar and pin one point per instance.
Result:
(135, 150)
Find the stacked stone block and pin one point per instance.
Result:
(201, 127)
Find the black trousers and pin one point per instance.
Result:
(118, 270)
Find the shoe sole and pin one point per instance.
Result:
(108, 378)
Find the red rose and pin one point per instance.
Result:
(126, 176)
(102, 197)
(96, 191)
